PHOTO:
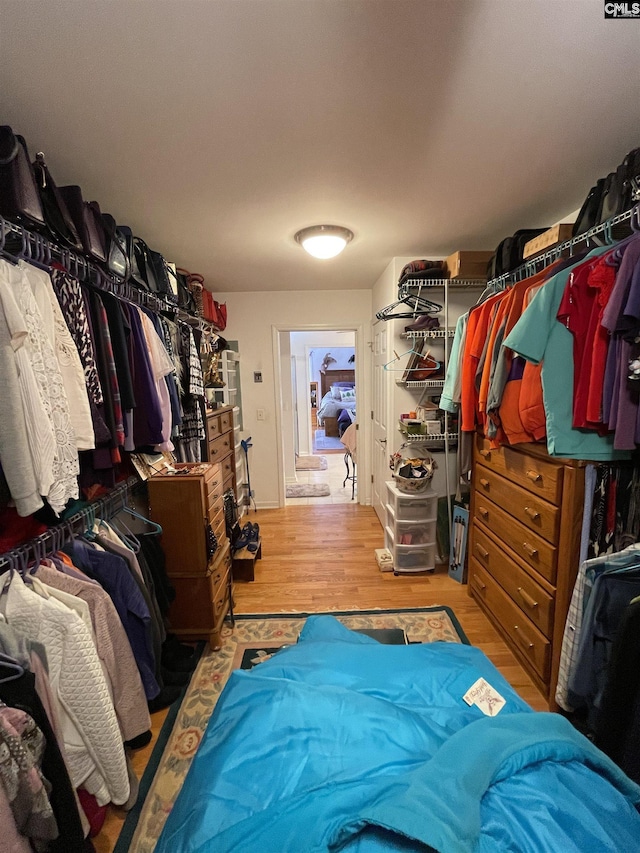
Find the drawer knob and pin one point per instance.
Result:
(528, 645)
(534, 476)
(533, 514)
(530, 602)
(483, 511)
(484, 482)
(485, 454)
(482, 551)
(530, 550)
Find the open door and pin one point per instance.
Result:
(380, 338)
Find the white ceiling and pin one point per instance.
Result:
(218, 128)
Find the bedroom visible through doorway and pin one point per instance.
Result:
(323, 396)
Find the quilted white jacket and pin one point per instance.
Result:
(90, 731)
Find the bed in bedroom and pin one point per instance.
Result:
(342, 743)
(338, 400)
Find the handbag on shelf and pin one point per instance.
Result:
(117, 255)
(19, 197)
(215, 312)
(56, 213)
(195, 283)
(185, 296)
(87, 219)
(161, 275)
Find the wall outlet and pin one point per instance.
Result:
(260, 415)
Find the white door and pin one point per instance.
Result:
(381, 473)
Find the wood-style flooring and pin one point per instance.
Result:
(318, 558)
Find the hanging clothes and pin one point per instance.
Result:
(90, 730)
(21, 693)
(64, 467)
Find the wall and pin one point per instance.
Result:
(251, 318)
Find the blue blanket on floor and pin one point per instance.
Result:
(340, 743)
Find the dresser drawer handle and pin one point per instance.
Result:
(534, 476)
(530, 602)
(486, 454)
(533, 514)
(477, 582)
(484, 483)
(483, 511)
(482, 551)
(531, 551)
(524, 642)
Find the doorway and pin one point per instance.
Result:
(321, 365)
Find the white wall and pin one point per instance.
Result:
(251, 318)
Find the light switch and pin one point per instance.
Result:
(260, 414)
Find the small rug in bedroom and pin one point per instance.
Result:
(308, 490)
(311, 463)
(327, 442)
(253, 640)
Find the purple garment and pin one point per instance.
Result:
(114, 576)
(619, 399)
(147, 420)
(618, 298)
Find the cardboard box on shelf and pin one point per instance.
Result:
(558, 234)
(468, 265)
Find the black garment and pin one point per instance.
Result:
(617, 726)
(21, 693)
(120, 329)
(153, 554)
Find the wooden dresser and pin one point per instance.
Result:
(185, 504)
(220, 445)
(524, 549)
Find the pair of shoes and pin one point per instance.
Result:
(248, 538)
(425, 321)
(254, 536)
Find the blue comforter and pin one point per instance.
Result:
(340, 743)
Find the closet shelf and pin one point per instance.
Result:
(426, 383)
(429, 333)
(419, 438)
(452, 283)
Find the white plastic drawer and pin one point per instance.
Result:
(421, 506)
(415, 532)
(414, 558)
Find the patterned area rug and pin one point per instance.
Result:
(311, 463)
(253, 640)
(308, 490)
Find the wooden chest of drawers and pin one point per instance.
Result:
(220, 444)
(524, 549)
(185, 504)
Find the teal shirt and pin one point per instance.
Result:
(539, 336)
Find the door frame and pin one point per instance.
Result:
(363, 385)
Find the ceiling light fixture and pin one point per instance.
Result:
(324, 241)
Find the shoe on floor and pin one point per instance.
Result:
(166, 697)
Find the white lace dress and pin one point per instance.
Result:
(54, 398)
(66, 352)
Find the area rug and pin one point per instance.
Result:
(253, 640)
(311, 463)
(327, 442)
(308, 490)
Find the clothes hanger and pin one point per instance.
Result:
(417, 304)
(155, 528)
(423, 357)
(127, 535)
(7, 662)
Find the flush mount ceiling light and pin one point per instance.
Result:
(324, 241)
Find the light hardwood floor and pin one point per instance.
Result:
(321, 557)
